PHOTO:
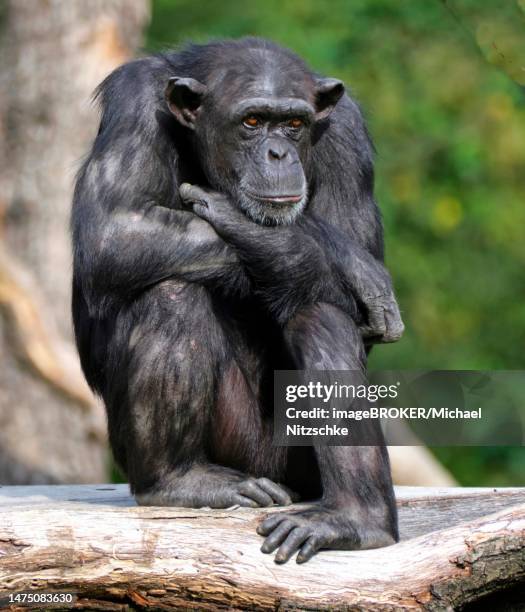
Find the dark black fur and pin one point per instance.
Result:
(185, 302)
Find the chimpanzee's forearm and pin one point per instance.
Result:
(353, 266)
(289, 267)
(313, 262)
(359, 270)
(201, 255)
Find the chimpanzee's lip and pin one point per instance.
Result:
(278, 199)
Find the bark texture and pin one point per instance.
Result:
(458, 547)
(52, 56)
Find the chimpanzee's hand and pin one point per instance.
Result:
(214, 207)
(374, 290)
(307, 531)
(384, 322)
(217, 487)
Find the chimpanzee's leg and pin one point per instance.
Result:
(357, 508)
(169, 411)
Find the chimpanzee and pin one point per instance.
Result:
(224, 226)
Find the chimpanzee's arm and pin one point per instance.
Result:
(343, 216)
(302, 264)
(125, 251)
(356, 270)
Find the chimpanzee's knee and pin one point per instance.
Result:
(323, 337)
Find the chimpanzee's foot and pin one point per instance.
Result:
(307, 531)
(216, 487)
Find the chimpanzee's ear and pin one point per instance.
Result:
(184, 98)
(327, 95)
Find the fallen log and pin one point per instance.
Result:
(459, 547)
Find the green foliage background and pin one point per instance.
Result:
(441, 82)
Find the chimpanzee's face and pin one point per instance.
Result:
(260, 150)
(253, 135)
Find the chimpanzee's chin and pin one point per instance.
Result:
(271, 213)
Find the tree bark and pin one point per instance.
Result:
(458, 547)
(53, 54)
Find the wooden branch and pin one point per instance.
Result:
(96, 543)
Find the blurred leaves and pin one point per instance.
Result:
(498, 33)
(441, 84)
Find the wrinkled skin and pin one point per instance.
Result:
(224, 227)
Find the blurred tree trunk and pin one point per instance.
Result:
(53, 53)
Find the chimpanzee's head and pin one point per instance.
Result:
(252, 122)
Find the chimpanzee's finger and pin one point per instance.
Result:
(294, 540)
(201, 209)
(376, 320)
(373, 332)
(270, 523)
(280, 495)
(308, 550)
(393, 333)
(251, 489)
(193, 193)
(277, 536)
(368, 332)
(394, 324)
(245, 502)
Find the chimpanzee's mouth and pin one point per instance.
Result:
(279, 199)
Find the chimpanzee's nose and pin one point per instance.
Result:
(277, 150)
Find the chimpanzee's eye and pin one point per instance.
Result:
(295, 123)
(252, 122)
